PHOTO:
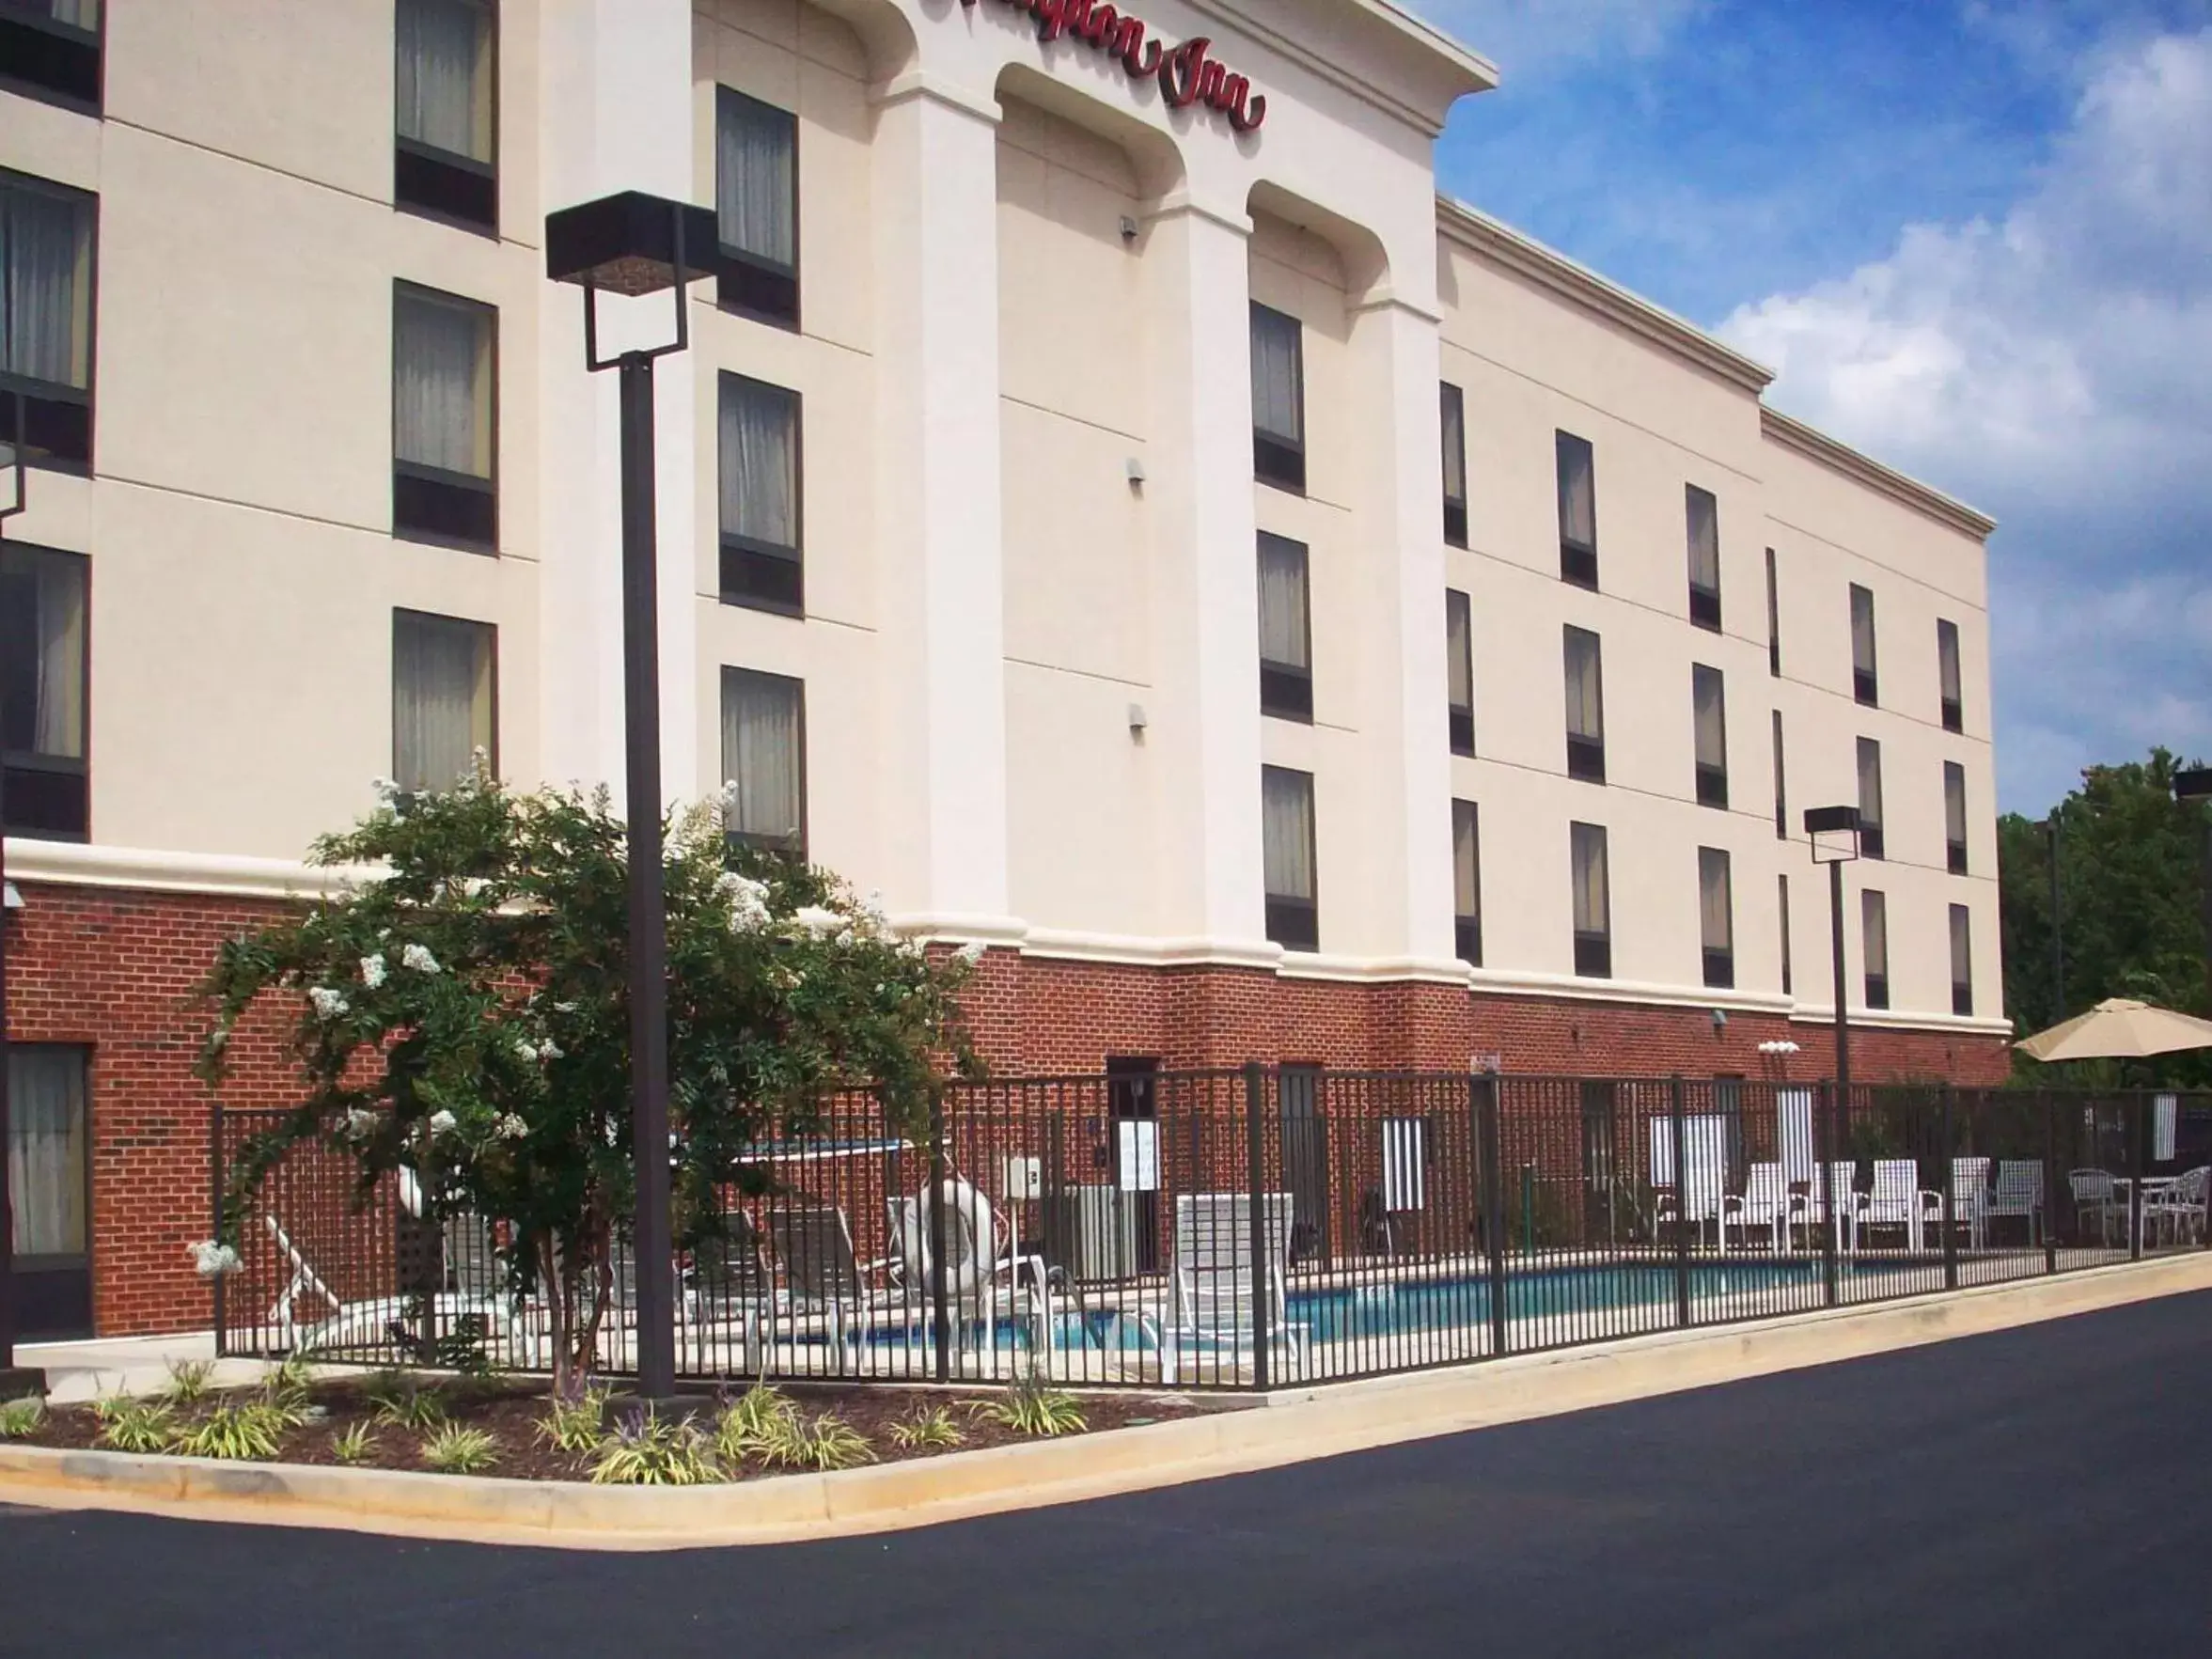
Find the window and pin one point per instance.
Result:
(757, 207)
(1709, 712)
(1947, 673)
(1783, 894)
(1466, 882)
(48, 1169)
(1781, 792)
(764, 761)
(1286, 854)
(1593, 901)
(1865, 681)
(42, 689)
(1773, 619)
(1954, 816)
(1962, 960)
(46, 318)
(1286, 631)
(1459, 656)
(761, 512)
(1577, 478)
(1278, 400)
(1586, 707)
(1454, 467)
(445, 700)
(50, 48)
(1717, 918)
(444, 371)
(1870, 798)
(1705, 557)
(1873, 924)
(444, 143)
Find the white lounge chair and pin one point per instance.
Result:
(2020, 1194)
(1838, 1206)
(1217, 1288)
(1768, 1202)
(2098, 1201)
(1970, 1198)
(2177, 1214)
(380, 1321)
(1703, 1196)
(1898, 1199)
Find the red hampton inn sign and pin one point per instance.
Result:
(1187, 73)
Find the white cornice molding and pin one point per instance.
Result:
(214, 875)
(1462, 72)
(1574, 988)
(1901, 1020)
(930, 86)
(1925, 498)
(1524, 256)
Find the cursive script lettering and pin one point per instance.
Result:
(1188, 74)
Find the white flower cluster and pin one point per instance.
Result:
(386, 790)
(210, 1259)
(510, 1127)
(971, 953)
(748, 900)
(328, 1004)
(360, 1123)
(817, 919)
(373, 970)
(443, 1122)
(537, 1052)
(419, 958)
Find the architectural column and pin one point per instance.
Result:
(617, 76)
(938, 506)
(1409, 785)
(1205, 579)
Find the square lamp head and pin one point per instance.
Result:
(631, 244)
(1834, 834)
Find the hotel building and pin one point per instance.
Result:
(1110, 503)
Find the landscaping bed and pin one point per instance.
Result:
(512, 1429)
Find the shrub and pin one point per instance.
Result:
(189, 1381)
(135, 1425)
(353, 1445)
(928, 1429)
(19, 1417)
(824, 1443)
(1030, 1407)
(238, 1432)
(452, 1450)
(406, 1402)
(650, 1451)
(574, 1425)
(293, 1380)
(759, 1423)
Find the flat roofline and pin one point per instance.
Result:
(1409, 67)
(1817, 446)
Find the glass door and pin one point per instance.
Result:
(49, 1182)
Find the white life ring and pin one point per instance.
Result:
(967, 1234)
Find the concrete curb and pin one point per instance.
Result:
(1300, 1425)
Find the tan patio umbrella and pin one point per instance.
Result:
(2119, 1029)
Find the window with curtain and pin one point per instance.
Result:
(1948, 677)
(1286, 854)
(444, 699)
(1874, 931)
(1783, 900)
(1709, 715)
(1954, 816)
(1278, 398)
(1871, 842)
(764, 761)
(1286, 631)
(1578, 487)
(445, 126)
(1962, 960)
(1459, 669)
(1782, 790)
(1586, 707)
(43, 690)
(1593, 901)
(1865, 680)
(50, 50)
(1717, 918)
(1466, 880)
(46, 234)
(1704, 556)
(48, 1153)
(444, 376)
(1454, 427)
(1773, 618)
(760, 467)
(757, 207)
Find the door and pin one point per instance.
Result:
(1305, 1159)
(1133, 1101)
(49, 1184)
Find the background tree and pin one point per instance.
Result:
(2131, 893)
(464, 1014)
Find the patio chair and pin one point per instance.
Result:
(377, 1322)
(2177, 1212)
(2097, 1200)
(1898, 1199)
(1703, 1194)
(1970, 1198)
(728, 1282)
(824, 1275)
(1768, 1202)
(2020, 1193)
(1838, 1206)
(1216, 1288)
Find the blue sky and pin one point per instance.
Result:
(1975, 239)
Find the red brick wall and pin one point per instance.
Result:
(114, 971)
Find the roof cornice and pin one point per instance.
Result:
(1450, 70)
(1550, 269)
(1818, 445)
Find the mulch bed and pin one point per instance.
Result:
(510, 1413)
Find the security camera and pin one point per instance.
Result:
(1719, 1019)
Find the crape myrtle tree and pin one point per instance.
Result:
(464, 1015)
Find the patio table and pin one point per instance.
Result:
(2124, 1186)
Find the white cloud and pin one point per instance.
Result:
(2055, 367)
(1523, 36)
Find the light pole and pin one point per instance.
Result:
(1834, 831)
(2058, 922)
(2188, 788)
(634, 244)
(15, 1381)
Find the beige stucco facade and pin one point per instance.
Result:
(1032, 708)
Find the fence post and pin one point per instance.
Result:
(1676, 1098)
(215, 1191)
(1949, 1192)
(940, 1314)
(1256, 1205)
(2136, 1127)
(1482, 1103)
(1824, 1139)
(2050, 1181)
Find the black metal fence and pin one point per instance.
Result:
(1264, 1227)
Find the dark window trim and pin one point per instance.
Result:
(784, 846)
(1594, 955)
(1718, 960)
(1877, 991)
(1953, 708)
(1585, 755)
(75, 1261)
(446, 158)
(1291, 922)
(1781, 783)
(1956, 853)
(1593, 947)
(1773, 618)
(437, 475)
(729, 541)
(1962, 1000)
(58, 766)
(1720, 970)
(1278, 461)
(1577, 559)
(1711, 779)
(735, 262)
(1782, 896)
(1455, 507)
(1286, 689)
(1467, 930)
(492, 749)
(13, 19)
(1705, 603)
(1866, 681)
(86, 396)
(1461, 717)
